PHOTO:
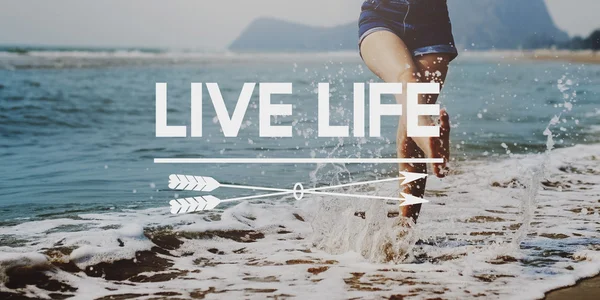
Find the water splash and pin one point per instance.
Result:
(537, 173)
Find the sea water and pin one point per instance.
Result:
(517, 217)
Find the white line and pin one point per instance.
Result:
(260, 188)
(256, 188)
(313, 193)
(257, 196)
(298, 160)
(355, 183)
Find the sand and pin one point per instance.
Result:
(583, 290)
(573, 56)
(585, 57)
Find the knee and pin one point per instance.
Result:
(435, 74)
(433, 68)
(407, 75)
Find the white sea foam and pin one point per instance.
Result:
(108, 245)
(514, 228)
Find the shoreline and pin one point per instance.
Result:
(573, 56)
(580, 56)
(95, 59)
(586, 288)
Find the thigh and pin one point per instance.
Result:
(388, 57)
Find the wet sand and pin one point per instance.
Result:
(584, 57)
(586, 289)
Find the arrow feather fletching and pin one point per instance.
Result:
(188, 205)
(192, 183)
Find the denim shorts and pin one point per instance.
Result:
(423, 25)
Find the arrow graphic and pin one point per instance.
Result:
(192, 183)
(410, 177)
(411, 200)
(187, 205)
(208, 184)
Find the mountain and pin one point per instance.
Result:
(477, 24)
(266, 34)
(505, 24)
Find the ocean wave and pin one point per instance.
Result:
(68, 59)
(66, 49)
(513, 228)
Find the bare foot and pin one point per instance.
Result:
(438, 147)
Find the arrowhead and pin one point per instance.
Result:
(410, 177)
(411, 200)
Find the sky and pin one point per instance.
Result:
(197, 24)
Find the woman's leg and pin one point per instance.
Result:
(432, 68)
(388, 57)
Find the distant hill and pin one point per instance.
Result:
(477, 24)
(505, 24)
(266, 34)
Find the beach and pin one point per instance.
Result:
(86, 211)
(542, 55)
(583, 57)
